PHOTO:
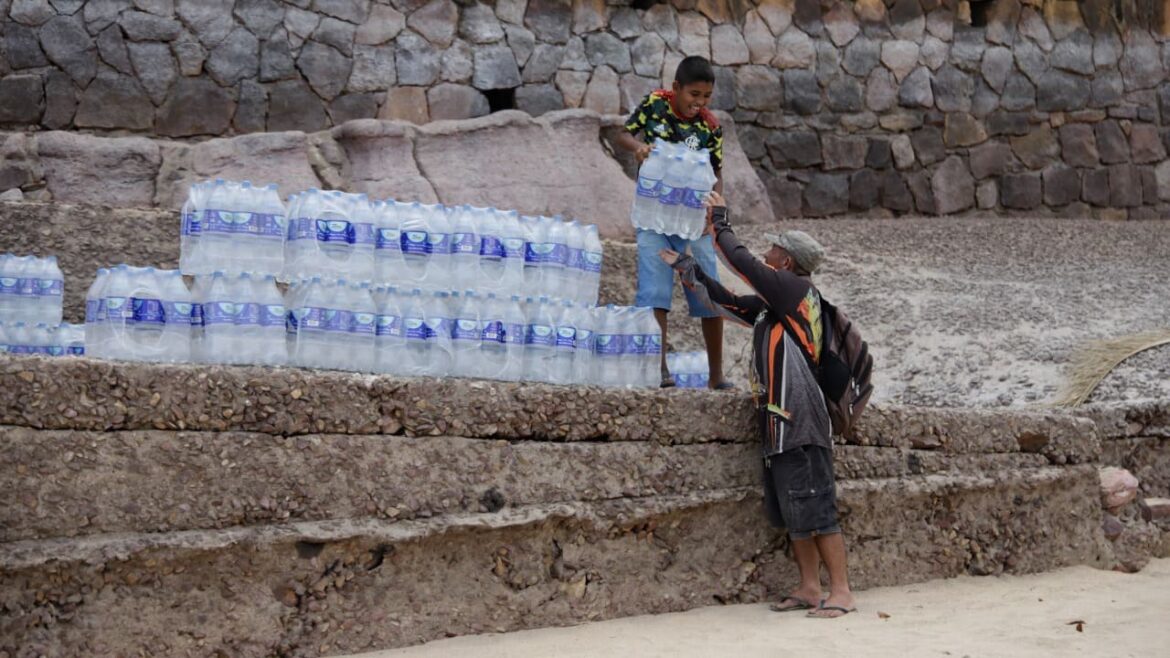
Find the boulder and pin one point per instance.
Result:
(326, 69)
(70, 47)
(758, 88)
(406, 104)
(1118, 488)
(952, 186)
(1020, 191)
(541, 98)
(114, 171)
(292, 105)
(22, 99)
(113, 100)
(380, 160)
(550, 20)
(436, 22)
(549, 165)
(826, 194)
(495, 68)
(451, 101)
(195, 106)
(283, 157)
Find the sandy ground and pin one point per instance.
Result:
(1006, 616)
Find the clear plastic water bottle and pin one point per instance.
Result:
(645, 211)
(584, 361)
(464, 273)
(556, 282)
(389, 337)
(361, 331)
(438, 326)
(534, 230)
(31, 290)
(413, 242)
(493, 346)
(573, 275)
(592, 260)
(700, 182)
(608, 347)
(417, 361)
(270, 347)
(439, 267)
(671, 194)
(72, 339)
(491, 250)
(560, 369)
(515, 335)
(466, 337)
(388, 242)
(514, 238)
(539, 340)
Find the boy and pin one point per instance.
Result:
(679, 115)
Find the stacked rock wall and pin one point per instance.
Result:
(166, 510)
(901, 107)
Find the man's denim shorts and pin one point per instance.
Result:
(800, 491)
(656, 278)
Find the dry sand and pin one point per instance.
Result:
(1006, 616)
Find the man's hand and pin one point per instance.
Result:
(668, 256)
(715, 200)
(642, 152)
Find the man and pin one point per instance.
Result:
(785, 312)
(679, 115)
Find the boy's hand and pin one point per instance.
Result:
(642, 152)
(668, 256)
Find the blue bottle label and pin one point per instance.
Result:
(636, 343)
(540, 334)
(179, 313)
(336, 320)
(438, 243)
(649, 187)
(114, 308)
(465, 330)
(576, 259)
(363, 233)
(75, 350)
(48, 287)
(415, 329)
(225, 221)
(566, 338)
(491, 247)
(493, 332)
(271, 315)
(91, 311)
(9, 286)
(147, 311)
(514, 247)
(302, 228)
(694, 198)
(197, 314)
(654, 344)
(247, 314)
(335, 231)
(438, 327)
(514, 333)
(607, 344)
(216, 313)
(584, 339)
(190, 224)
(389, 326)
(414, 242)
(26, 287)
(464, 243)
(54, 350)
(592, 262)
(363, 324)
(671, 196)
(388, 239)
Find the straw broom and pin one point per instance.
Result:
(1096, 360)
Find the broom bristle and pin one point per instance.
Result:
(1093, 363)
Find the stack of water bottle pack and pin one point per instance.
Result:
(404, 288)
(689, 369)
(673, 184)
(31, 294)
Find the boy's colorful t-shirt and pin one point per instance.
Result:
(655, 118)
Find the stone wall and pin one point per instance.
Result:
(167, 510)
(845, 108)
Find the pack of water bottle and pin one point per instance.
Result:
(238, 318)
(232, 227)
(673, 184)
(414, 332)
(40, 338)
(486, 250)
(139, 314)
(31, 290)
(689, 369)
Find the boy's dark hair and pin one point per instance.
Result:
(694, 69)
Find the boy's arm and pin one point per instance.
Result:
(627, 141)
(634, 125)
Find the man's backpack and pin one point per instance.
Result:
(844, 369)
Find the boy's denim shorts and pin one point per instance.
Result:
(656, 278)
(800, 491)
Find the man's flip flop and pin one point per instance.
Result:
(724, 386)
(843, 610)
(801, 604)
